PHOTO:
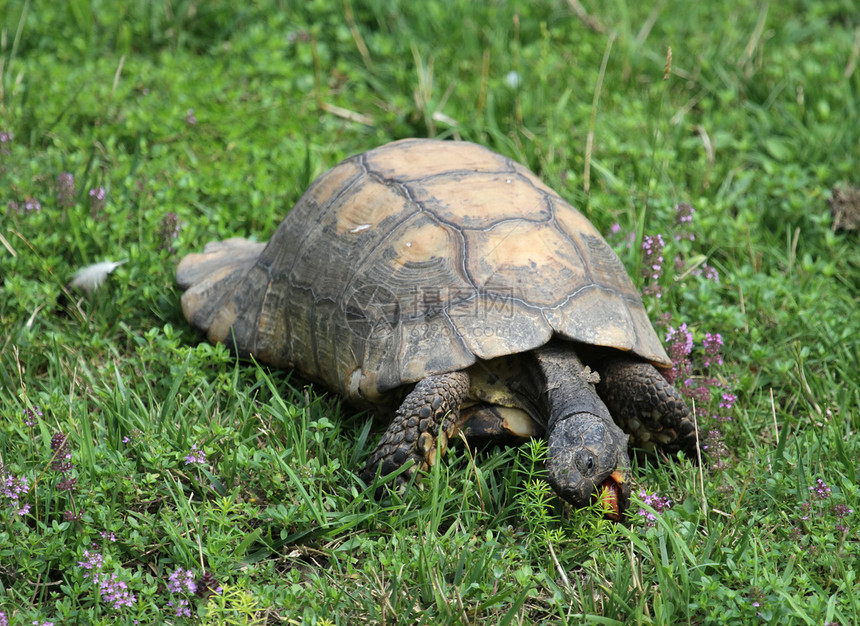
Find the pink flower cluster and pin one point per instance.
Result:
(658, 503)
(680, 347)
(13, 489)
(819, 492)
(195, 456)
(652, 263)
(112, 589)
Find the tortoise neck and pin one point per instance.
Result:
(565, 386)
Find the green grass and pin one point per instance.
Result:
(754, 126)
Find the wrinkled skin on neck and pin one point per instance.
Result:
(587, 451)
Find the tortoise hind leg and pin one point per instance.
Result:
(647, 407)
(212, 280)
(413, 433)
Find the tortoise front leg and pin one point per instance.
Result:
(413, 434)
(647, 407)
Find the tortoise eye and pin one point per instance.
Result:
(585, 462)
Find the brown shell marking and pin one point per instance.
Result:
(420, 257)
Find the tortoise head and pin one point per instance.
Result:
(588, 459)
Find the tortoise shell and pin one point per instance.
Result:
(416, 258)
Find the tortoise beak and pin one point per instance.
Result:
(614, 495)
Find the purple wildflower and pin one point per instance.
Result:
(618, 239)
(658, 503)
(32, 205)
(5, 140)
(713, 344)
(728, 400)
(181, 607)
(190, 117)
(680, 342)
(66, 189)
(4, 621)
(195, 456)
(700, 393)
(841, 511)
(652, 263)
(718, 452)
(710, 273)
(30, 416)
(181, 580)
(97, 200)
(132, 436)
(684, 213)
(13, 489)
(92, 561)
(114, 591)
(207, 585)
(62, 453)
(169, 231)
(684, 218)
(67, 485)
(820, 489)
(61, 462)
(105, 534)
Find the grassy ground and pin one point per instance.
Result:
(140, 465)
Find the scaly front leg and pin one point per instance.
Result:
(413, 434)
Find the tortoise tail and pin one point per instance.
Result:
(210, 280)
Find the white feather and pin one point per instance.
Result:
(91, 277)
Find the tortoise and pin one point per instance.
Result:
(446, 285)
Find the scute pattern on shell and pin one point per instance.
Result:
(417, 258)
